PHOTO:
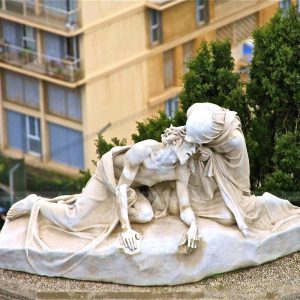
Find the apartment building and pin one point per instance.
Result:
(72, 68)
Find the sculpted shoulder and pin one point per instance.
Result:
(140, 151)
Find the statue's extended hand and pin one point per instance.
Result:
(191, 239)
(131, 239)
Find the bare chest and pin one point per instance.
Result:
(150, 173)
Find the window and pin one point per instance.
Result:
(15, 130)
(63, 101)
(33, 135)
(284, 4)
(155, 26)
(54, 45)
(12, 33)
(169, 68)
(19, 35)
(187, 53)
(64, 5)
(72, 48)
(22, 89)
(23, 132)
(59, 47)
(201, 11)
(29, 38)
(62, 10)
(66, 145)
(171, 107)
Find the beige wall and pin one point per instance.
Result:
(155, 65)
(119, 99)
(114, 43)
(93, 10)
(211, 9)
(265, 14)
(179, 20)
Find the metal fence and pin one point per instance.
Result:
(43, 14)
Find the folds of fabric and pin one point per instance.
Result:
(79, 223)
(225, 169)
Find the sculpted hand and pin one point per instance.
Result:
(191, 239)
(131, 239)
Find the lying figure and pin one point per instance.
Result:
(108, 197)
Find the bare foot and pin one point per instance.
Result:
(22, 207)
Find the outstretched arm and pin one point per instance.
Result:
(187, 216)
(132, 160)
(129, 236)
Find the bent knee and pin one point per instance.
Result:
(147, 216)
(227, 219)
(142, 216)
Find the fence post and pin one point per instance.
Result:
(11, 182)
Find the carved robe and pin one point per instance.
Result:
(225, 172)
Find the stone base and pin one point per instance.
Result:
(161, 262)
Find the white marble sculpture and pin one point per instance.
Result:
(187, 198)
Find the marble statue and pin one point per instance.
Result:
(144, 164)
(157, 213)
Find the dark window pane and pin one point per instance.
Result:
(32, 129)
(154, 17)
(35, 145)
(155, 35)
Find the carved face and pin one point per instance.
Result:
(186, 150)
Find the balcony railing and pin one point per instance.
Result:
(42, 14)
(67, 69)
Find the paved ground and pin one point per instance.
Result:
(279, 279)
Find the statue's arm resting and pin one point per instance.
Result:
(130, 237)
(186, 213)
(124, 183)
(187, 216)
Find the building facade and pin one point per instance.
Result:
(72, 68)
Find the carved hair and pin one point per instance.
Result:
(173, 136)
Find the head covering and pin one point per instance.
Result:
(205, 122)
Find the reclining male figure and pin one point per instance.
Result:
(145, 164)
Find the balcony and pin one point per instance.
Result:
(42, 14)
(67, 69)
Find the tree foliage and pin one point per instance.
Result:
(269, 111)
(286, 174)
(211, 78)
(102, 146)
(152, 128)
(273, 91)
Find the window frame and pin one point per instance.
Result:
(285, 4)
(65, 102)
(157, 26)
(200, 7)
(170, 109)
(36, 136)
(28, 38)
(24, 81)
